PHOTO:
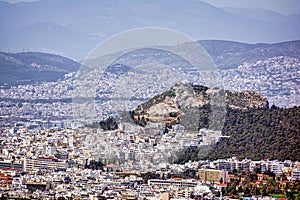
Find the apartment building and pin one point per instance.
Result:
(212, 175)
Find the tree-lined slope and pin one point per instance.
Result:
(261, 134)
(256, 131)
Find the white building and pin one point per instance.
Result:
(296, 174)
(276, 167)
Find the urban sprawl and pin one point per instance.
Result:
(46, 155)
(57, 163)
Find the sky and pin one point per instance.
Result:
(287, 7)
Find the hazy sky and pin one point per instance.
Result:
(283, 6)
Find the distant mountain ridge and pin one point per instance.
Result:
(263, 14)
(240, 65)
(229, 54)
(34, 66)
(76, 27)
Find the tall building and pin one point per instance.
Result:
(71, 141)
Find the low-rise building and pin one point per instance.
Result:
(296, 174)
(42, 163)
(213, 176)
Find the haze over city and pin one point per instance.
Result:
(150, 100)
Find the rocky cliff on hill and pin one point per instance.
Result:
(184, 103)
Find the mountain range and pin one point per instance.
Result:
(226, 55)
(270, 69)
(229, 54)
(73, 27)
(16, 68)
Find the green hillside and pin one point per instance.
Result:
(258, 134)
(255, 134)
(256, 131)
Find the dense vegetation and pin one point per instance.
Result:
(255, 134)
(106, 125)
(272, 186)
(264, 133)
(109, 124)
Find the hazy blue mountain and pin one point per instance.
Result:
(33, 66)
(75, 27)
(264, 15)
(228, 54)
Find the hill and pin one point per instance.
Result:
(34, 66)
(118, 69)
(256, 131)
(183, 102)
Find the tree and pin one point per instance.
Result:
(264, 191)
(109, 124)
(221, 180)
